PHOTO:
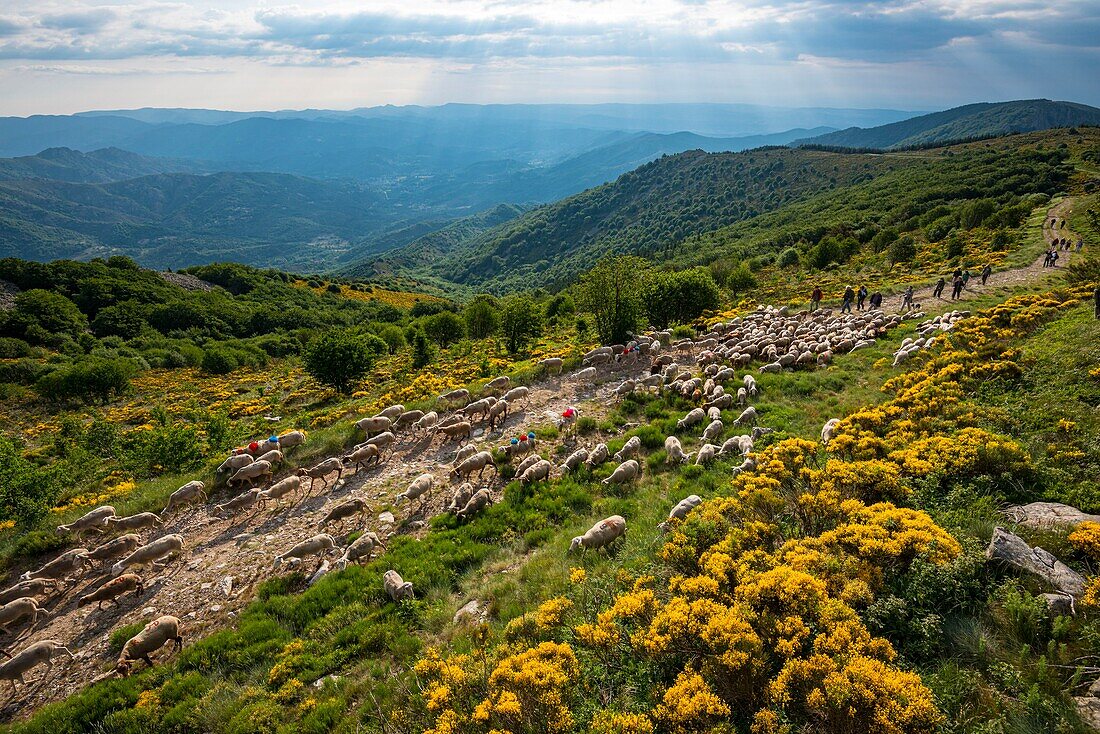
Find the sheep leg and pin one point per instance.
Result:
(177, 643)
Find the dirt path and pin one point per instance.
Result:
(242, 548)
(1003, 278)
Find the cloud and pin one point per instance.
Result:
(84, 21)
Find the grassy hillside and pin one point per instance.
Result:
(645, 211)
(964, 123)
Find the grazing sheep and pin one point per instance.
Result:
(30, 587)
(479, 462)
(758, 431)
(95, 521)
(282, 488)
(17, 609)
(706, 454)
(392, 412)
(235, 462)
(674, 451)
(426, 422)
(713, 430)
(714, 413)
(631, 448)
(462, 429)
(747, 465)
(527, 463)
(740, 444)
(459, 396)
(396, 587)
(478, 502)
(604, 353)
(742, 397)
(828, 429)
(748, 417)
(185, 495)
(626, 387)
(343, 511)
(597, 456)
(257, 470)
(518, 393)
(60, 567)
(771, 367)
(272, 457)
(600, 535)
(155, 635)
(291, 439)
(497, 385)
(30, 657)
(151, 553)
(574, 461)
(420, 487)
(362, 548)
(408, 418)
(552, 365)
(322, 470)
(383, 441)
(568, 420)
(694, 417)
(588, 374)
(241, 502)
(498, 414)
(363, 456)
(524, 444)
(110, 550)
(375, 424)
(681, 510)
(628, 471)
(461, 496)
(140, 521)
(113, 589)
(463, 453)
(537, 472)
(722, 401)
(480, 408)
(320, 544)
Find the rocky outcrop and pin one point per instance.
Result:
(8, 292)
(1013, 551)
(1045, 515)
(185, 281)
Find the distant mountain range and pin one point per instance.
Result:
(963, 123)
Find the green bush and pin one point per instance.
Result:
(482, 317)
(11, 348)
(393, 336)
(422, 351)
(787, 258)
(559, 306)
(520, 321)
(91, 379)
(684, 296)
(903, 250)
(444, 328)
(164, 449)
(27, 491)
(219, 361)
(339, 359)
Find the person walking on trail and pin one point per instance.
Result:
(815, 298)
(966, 277)
(861, 296)
(986, 272)
(1054, 259)
(849, 295)
(907, 299)
(1080, 243)
(937, 292)
(1046, 258)
(1096, 299)
(956, 288)
(876, 300)
(957, 274)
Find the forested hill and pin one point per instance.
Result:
(97, 166)
(964, 123)
(645, 211)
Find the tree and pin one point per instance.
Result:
(612, 293)
(422, 352)
(559, 305)
(903, 250)
(340, 358)
(49, 311)
(680, 297)
(521, 322)
(26, 490)
(482, 317)
(126, 320)
(94, 378)
(443, 328)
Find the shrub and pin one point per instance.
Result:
(903, 250)
(94, 378)
(14, 348)
(219, 361)
(26, 491)
(482, 317)
(340, 358)
(521, 322)
(975, 213)
(558, 306)
(742, 279)
(393, 336)
(682, 296)
(787, 258)
(334, 288)
(163, 449)
(51, 312)
(935, 232)
(126, 320)
(443, 328)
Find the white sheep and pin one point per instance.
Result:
(60, 567)
(30, 657)
(322, 470)
(397, 588)
(597, 456)
(713, 430)
(290, 439)
(536, 472)
(748, 417)
(828, 429)
(498, 414)
(392, 412)
(113, 589)
(693, 417)
(478, 502)
(552, 365)
(362, 548)
(320, 544)
(185, 495)
(600, 535)
(408, 418)
(706, 454)
(461, 496)
(479, 462)
(626, 387)
(674, 451)
(257, 470)
(628, 471)
(30, 587)
(113, 549)
(273, 457)
(94, 521)
(426, 422)
(588, 374)
(153, 637)
(568, 420)
(374, 424)
(681, 510)
(462, 429)
(459, 396)
(497, 385)
(235, 462)
(742, 397)
(284, 487)
(516, 394)
(631, 448)
(363, 456)
(140, 521)
(574, 461)
(343, 511)
(241, 502)
(419, 487)
(17, 609)
(151, 553)
(527, 463)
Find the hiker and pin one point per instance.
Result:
(907, 299)
(1080, 243)
(956, 288)
(876, 300)
(861, 296)
(815, 298)
(937, 292)
(1054, 259)
(1096, 298)
(966, 277)
(1046, 259)
(986, 272)
(849, 294)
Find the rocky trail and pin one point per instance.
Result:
(225, 558)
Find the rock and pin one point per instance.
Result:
(470, 612)
(417, 525)
(386, 517)
(1088, 708)
(226, 585)
(324, 568)
(148, 611)
(1094, 689)
(194, 565)
(216, 608)
(1014, 551)
(1060, 605)
(205, 586)
(320, 682)
(1043, 515)
(242, 538)
(191, 615)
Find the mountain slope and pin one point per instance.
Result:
(962, 123)
(97, 166)
(646, 211)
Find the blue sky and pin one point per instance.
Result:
(58, 57)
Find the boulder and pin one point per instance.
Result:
(470, 612)
(1044, 515)
(1012, 550)
(1088, 708)
(1060, 605)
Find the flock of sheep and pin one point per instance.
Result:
(779, 339)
